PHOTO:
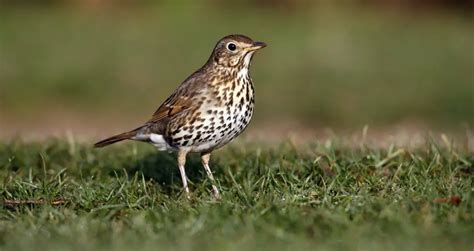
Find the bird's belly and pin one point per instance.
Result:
(216, 127)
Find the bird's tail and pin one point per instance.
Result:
(116, 138)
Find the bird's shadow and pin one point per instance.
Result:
(163, 169)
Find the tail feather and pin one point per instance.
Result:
(115, 139)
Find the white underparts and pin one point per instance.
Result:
(244, 72)
(157, 140)
(247, 59)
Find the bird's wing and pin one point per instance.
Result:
(175, 104)
(181, 100)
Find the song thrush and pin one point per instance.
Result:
(208, 110)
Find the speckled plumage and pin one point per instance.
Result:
(208, 110)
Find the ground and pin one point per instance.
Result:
(327, 195)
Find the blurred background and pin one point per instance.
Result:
(98, 67)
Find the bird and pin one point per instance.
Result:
(207, 110)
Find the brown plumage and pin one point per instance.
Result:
(209, 109)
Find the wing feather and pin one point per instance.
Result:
(181, 100)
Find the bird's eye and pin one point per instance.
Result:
(231, 46)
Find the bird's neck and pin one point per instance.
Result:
(240, 70)
(219, 71)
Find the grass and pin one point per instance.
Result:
(321, 196)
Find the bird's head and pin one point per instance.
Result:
(235, 51)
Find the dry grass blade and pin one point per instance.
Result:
(17, 203)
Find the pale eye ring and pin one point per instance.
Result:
(231, 46)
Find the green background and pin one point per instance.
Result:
(337, 66)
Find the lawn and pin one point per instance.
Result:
(317, 196)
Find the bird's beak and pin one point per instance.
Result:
(256, 46)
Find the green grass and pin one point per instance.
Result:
(335, 67)
(321, 196)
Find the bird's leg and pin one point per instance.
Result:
(205, 162)
(181, 164)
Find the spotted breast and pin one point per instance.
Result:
(226, 107)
